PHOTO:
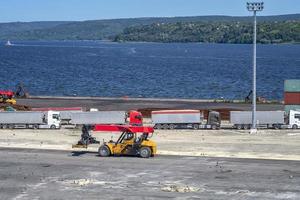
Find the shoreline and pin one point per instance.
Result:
(150, 99)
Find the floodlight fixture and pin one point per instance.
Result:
(255, 6)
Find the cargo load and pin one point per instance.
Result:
(243, 119)
(101, 117)
(172, 119)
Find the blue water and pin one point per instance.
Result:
(107, 69)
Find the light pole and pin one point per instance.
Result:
(254, 7)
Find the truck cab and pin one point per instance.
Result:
(52, 120)
(294, 119)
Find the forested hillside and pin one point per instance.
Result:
(224, 29)
(214, 32)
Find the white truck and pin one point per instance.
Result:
(36, 120)
(174, 119)
(265, 119)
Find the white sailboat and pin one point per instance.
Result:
(8, 43)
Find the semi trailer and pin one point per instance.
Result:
(183, 119)
(266, 119)
(107, 117)
(175, 119)
(36, 120)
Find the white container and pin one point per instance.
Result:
(101, 117)
(177, 117)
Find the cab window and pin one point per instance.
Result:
(55, 116)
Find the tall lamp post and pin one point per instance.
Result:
(254, 7)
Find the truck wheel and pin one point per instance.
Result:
(246, 127)
(172, 126)
(195, 126)
(53, 126)
(213, 127)
(104, 151)
(158, 126)
(35, 126)
(276, 126)
(295, 126)
(239, 126)
(165, 126)
(145, 152)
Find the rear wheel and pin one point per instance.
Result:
(145, 152)
(276, 126)
(165, 126)
(239, 126)
(172, 126)
(246, 127)
(104, 151)
(158, 126)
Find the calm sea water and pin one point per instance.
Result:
(147, 69)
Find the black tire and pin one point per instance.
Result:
(276, 126)
(172, 126)
(239, 126)
(35, 126)
(294, 126)
(165, 126)
(195, 126)
(158, 126)
(104, 151)
(145, 152)
(52, 126)
(246, 127)
(213, 127)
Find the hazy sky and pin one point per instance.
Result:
(49, 10)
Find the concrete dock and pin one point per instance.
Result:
(103, 103)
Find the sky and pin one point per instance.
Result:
(78, 10)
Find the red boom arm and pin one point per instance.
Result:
(122, 128)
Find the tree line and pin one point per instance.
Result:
(213, 32)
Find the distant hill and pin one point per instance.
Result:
(114, 29)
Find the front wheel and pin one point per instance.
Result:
(145, 152)
(195, 126)
(52, 126)
(295, 126)
(104, 151)
(214, 127)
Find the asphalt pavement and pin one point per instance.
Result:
(43, 174)
(138, 103)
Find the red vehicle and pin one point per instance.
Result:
(135, 118)
(7, 97)
(9, 94)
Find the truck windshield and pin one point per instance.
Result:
(55, 116)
